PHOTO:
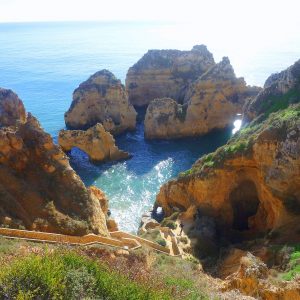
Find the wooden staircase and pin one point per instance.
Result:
(118, 239)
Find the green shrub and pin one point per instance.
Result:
(169, 223)
(161, 242)
(294, 265)
(69, 276)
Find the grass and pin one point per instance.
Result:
(69, 276)
(170, 221)
(294, 265)
(154, 236)
(182, 278)
(275, 127)
(279, 102)
(37, 271)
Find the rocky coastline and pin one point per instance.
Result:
(228, 211)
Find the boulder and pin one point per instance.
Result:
(98, 143)
(166, 73)
(39, 189)
(101, 99)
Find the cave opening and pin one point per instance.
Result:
(244, 201)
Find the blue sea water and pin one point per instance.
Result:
(45, 62)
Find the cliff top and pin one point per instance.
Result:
(167, 58)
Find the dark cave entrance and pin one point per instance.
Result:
(244, 201)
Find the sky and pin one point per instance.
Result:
(228, 13)
(221, 18)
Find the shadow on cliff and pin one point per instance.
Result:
(147, 155)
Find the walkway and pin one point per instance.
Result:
(117, 239)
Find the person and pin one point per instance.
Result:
(181, 226)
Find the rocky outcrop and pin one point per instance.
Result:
(251, 278)
(38, 188)
(249, 186)
(211, 102)
(280, 90)
(11, 108)
(96, 142)
(166, 73)
(101, 99)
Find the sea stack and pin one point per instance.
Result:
(101, 99)
(166, 73)
(211, 102)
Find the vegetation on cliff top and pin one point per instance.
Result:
(35, 271)
(275, 126)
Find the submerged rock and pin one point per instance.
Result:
(38, 188)
(211, 102)
(96, 142)
(101, 99)
(166, 73)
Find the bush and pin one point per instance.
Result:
(162, 242)
(169, 223)
(294, 264)
(69, 276)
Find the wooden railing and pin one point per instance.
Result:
(117, 239)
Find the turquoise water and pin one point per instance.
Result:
(45, 62)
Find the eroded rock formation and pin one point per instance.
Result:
(211, 102)
(280, 90)
(251, 185)
(251, 278)
(96, 142)
(101, 99)
(11, 108)
(38, 188)
(166, 73)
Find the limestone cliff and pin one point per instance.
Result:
(166, 73)
(211, 102)
(96, 142)
(101, 99)
(251, 185)
(38, 188)
(280, 90)
(11, 108)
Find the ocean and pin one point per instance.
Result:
(44, 62)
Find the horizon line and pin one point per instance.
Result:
(93, 21)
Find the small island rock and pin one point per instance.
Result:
(101, 99)
(166, 73)
(98, 143)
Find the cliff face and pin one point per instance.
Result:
(211, 102)
(166, 73)
(101, 99)
(251, 184)
(280, 90)
(96, 142)
(38, 188)
(11, 108)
